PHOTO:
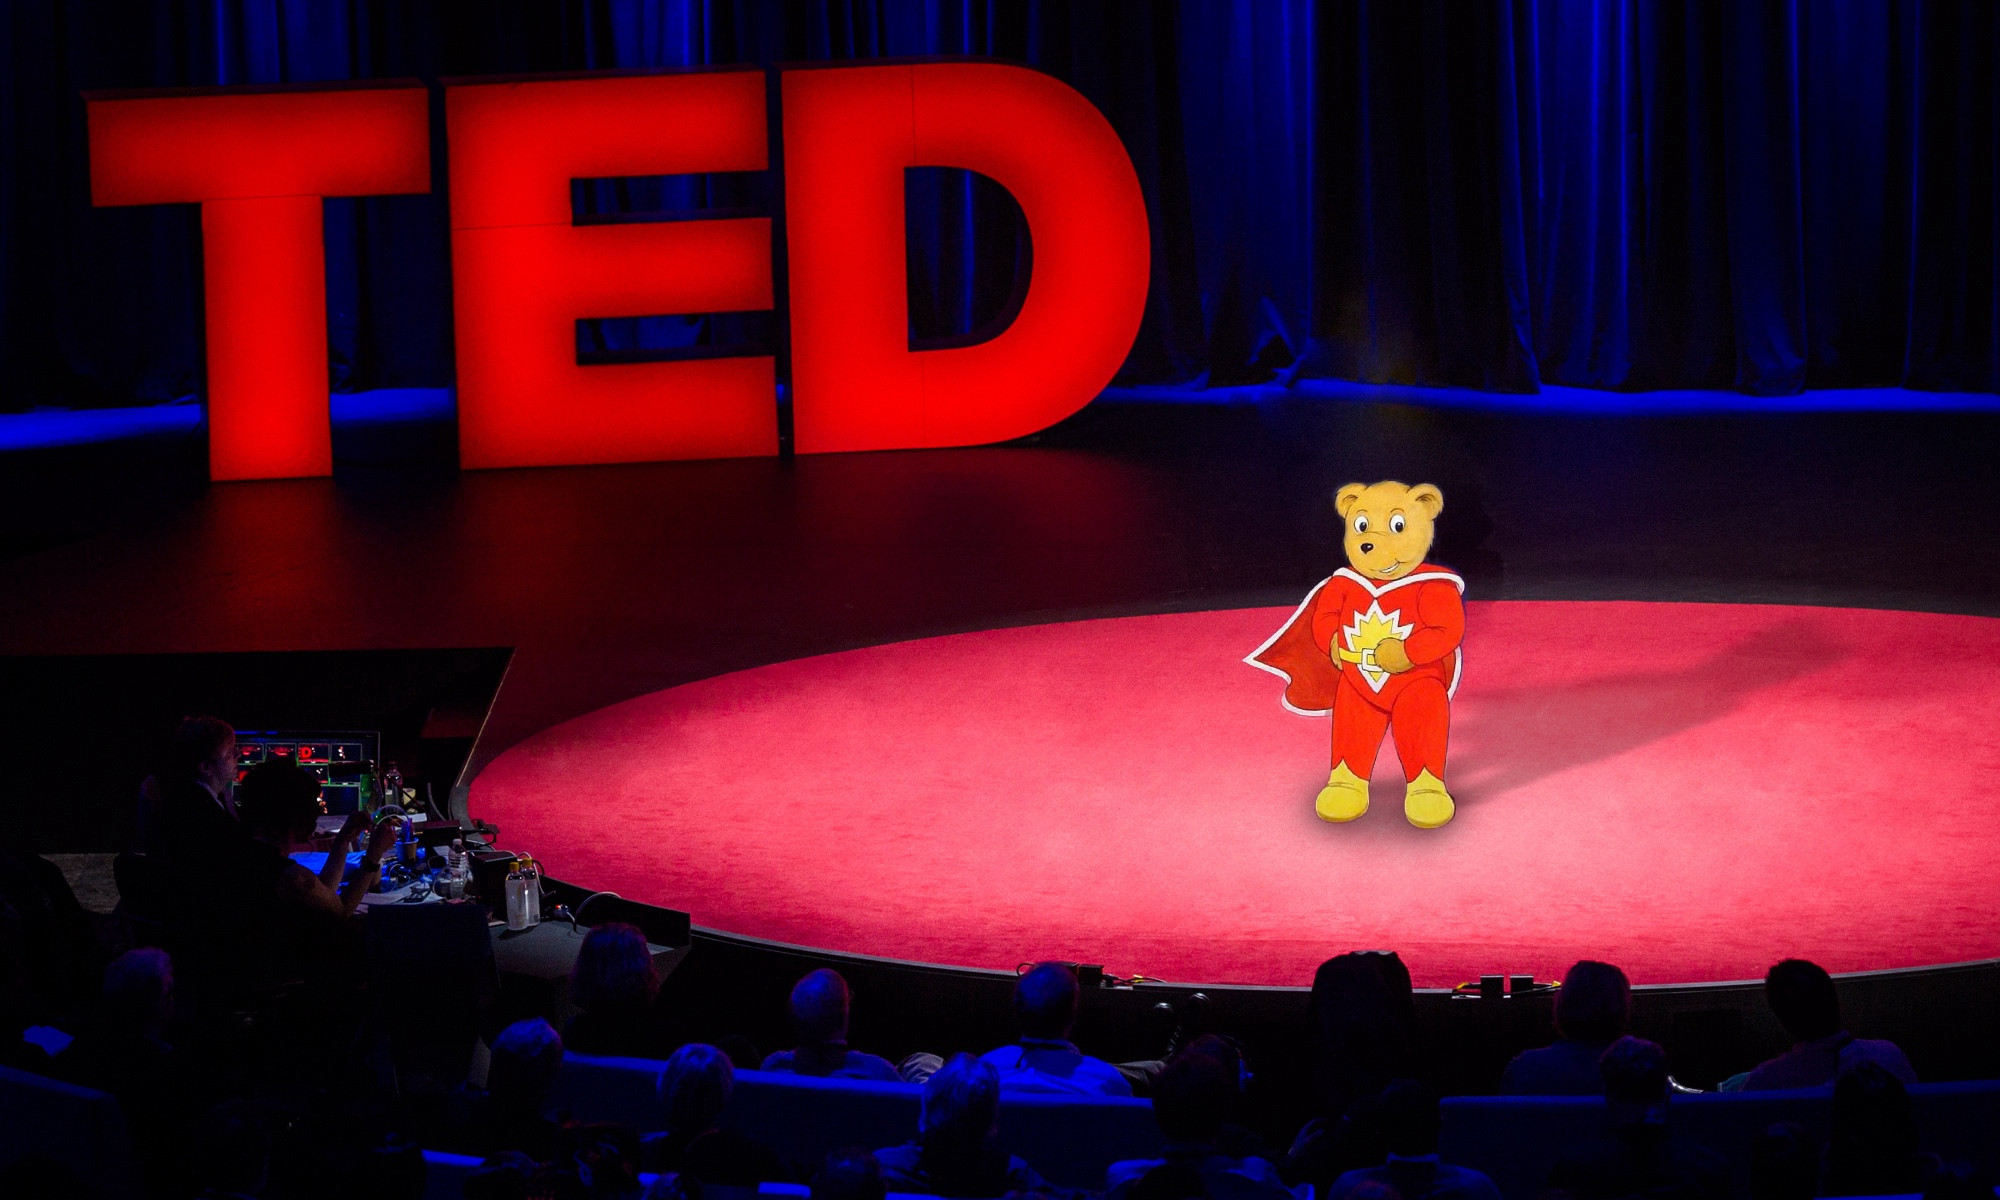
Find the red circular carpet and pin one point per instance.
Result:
(1689, 790)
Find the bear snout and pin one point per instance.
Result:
(1367, 546)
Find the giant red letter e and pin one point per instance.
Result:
(259, 164)
(523, 272)
(849, 134)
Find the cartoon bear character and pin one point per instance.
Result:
(1377, 644)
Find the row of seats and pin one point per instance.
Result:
(1068, 1139)
(1071, 1140)
(445, 1176)
(1516, 1139)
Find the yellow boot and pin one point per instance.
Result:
(1426, 803)
(1344, 797)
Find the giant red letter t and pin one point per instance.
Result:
(259, 165)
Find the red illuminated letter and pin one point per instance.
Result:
(849, 135)
(259, 164)
(524, 273)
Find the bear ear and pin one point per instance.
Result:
(1427, 497)
(1347, 497)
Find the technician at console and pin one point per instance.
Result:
(185, 807)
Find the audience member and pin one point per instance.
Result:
(1784, 1163)
(614, 984)
(1407, 1114)
(1043, 1060)
(741, 1051)
(1169, 1181)
(231, 1151)
(1803, 998)
(849, 1175)
(391, 1167)
(507, 1114)
(278, 803)
(1592, 1008)
(1871, 1148)
(509, 1175)
(1361, 1015)
(1636, 1155)
(1235, 1137)
(694, 1088)
(957, 1151)
(820, 1004)
(50, 962)
(1958, 1180)
(599, 1159)
(122, 1048)
(186, 809)
(1194, 1097)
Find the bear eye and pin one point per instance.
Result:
(1396, 523)
(1361, 522)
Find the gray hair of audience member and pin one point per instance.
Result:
(614, 969)
(695, 1086)
(849, 1175)
(139, 989)
(820, 1004)
(1635, 1080)
(1594, 1003)
(1045, 1000)
(526, 1057)
(961, 1104)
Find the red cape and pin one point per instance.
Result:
(1308, 671)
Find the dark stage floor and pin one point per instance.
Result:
(610, 582)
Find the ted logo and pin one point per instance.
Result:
(524, 272)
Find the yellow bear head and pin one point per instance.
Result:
(1389, 525)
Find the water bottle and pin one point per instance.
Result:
(517, 897)
(534, 894)
(454, 871)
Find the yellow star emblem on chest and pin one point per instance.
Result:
(1367, 631)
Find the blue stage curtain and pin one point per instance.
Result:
(1615, 194)
(1634, 194)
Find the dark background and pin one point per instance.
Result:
(1496, 194)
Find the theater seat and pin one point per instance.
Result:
(1070, 1140)
(1516, 1139)
(80, 1128)
(445, 1175)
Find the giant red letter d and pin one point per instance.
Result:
(849, 134)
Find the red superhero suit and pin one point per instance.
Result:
(1326, 654)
